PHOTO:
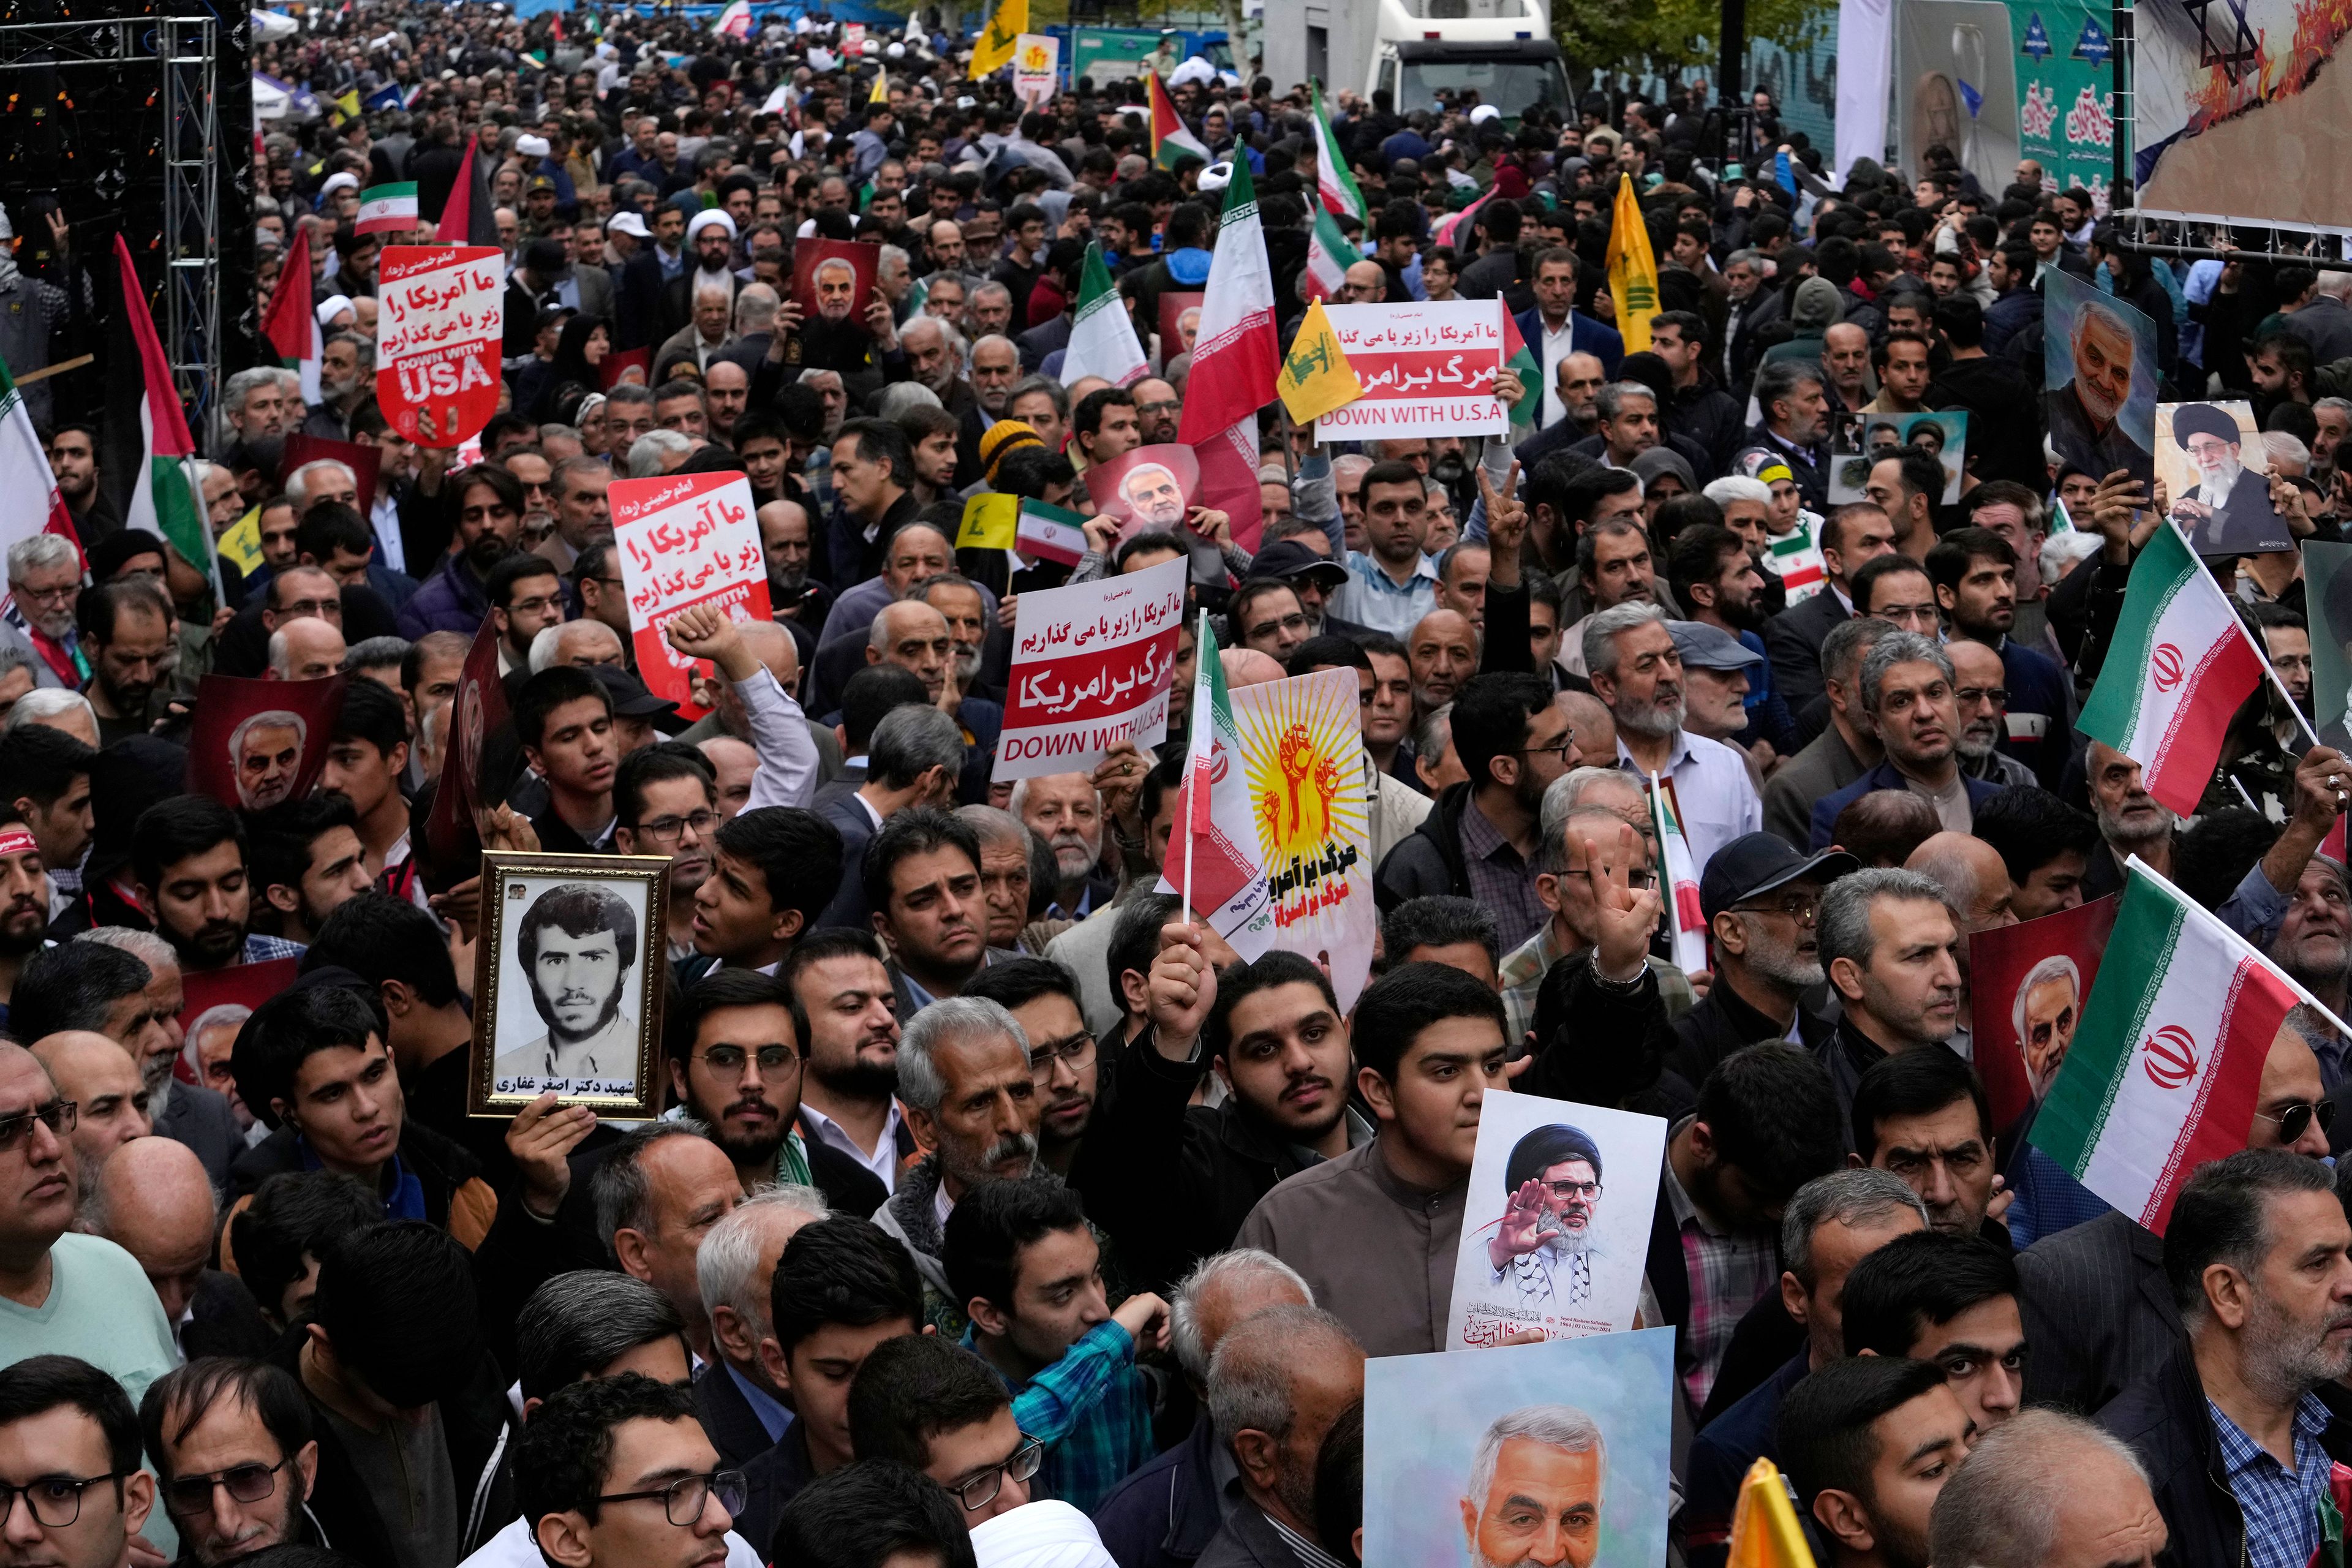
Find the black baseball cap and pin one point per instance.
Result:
(630, 698)
(1290, 561)
(1758, 862)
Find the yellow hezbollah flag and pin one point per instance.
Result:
(1633, 270)
(990, 522)
(1316, 376)
(881, 93)
(993, 50)
(241, 544)
(1764, 1529)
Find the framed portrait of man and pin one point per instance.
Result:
(568, 974)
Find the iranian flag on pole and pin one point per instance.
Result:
(1225, 875)
(387, 209)
(1685, 919)
(2180, 664)
(1236, 358)
(2164, 1069)
(1329, 257)
(1169, 140)
(1333, 182)
(1102, 334)
(24, 471)
(292, 321)
(147, 447)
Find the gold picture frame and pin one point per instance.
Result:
(596, 1046)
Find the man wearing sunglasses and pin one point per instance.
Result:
(232, 1446)
(71, 1492)
(615, 1472)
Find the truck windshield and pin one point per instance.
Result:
(1512, 86)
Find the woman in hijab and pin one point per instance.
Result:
(579, 352)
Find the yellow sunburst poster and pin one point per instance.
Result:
(1303, 752)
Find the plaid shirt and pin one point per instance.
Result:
(2282, 1507)
(1728, 1274)
(261, 947)
(1091, 1411)
(1501, 879)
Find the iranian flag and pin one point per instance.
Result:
(2180, 664)
(148, 451)
(1225, 876)
(1329, 257)
(1333, 182)
(291, 320)
(2165, 1068)
(1102, 334)
(1521, 361)
(1236, 358)
(1050, 532)
(735, 21)
(24, 471)
(1685, 919)
(387, 209)
(1169, 140)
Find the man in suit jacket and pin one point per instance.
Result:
(1319, 1368)
(1794, 638)
(915, 759)
(2097, 1311)
(646, 275)
(202, 1119)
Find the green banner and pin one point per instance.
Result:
(2065, 91)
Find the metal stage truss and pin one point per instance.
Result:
(182, 129)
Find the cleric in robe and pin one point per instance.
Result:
(2228, 511)
(1544, 1246)
(577, 945)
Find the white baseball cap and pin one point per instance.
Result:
(627, 223)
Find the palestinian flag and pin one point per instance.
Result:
(2180, 664)
(387, 209)
(1169, 140)
(1333, 182)
(148, 451)
(2165, 1068)
(1220, 864)
(291, 320)
(1685, 920)
(1102, 334)
(471, 217)
(1448, 229)
(1236, 355)
(24, 471)
(1329, 257)
(1520, 359)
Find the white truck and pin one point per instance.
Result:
(1501, 50)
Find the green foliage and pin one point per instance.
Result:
(1644, 36)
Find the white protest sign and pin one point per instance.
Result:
(1556, 1228)
(1036, 68)
(686, 539)
(1427, 370)
(1091, 666)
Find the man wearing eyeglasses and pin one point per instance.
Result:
(659, 1498)
(63, 1292)
(232, 1447)
(1043, 998)
(73, 1494)
(664, 803)
(1762, 904)
(1978, 684)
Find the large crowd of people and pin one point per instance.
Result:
(998, 1212)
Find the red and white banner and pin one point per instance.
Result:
(686, 539)
(1427, 369)
(1092, 664)
(441, 316)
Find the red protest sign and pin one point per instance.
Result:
(215, 1003)
(1092, 664)
(1179, 322)
(2027, 984)
(686, 539)
(627, 367)
(477, 709)
(363, 459)
(833, 280)
(256, 743)
(440, 319)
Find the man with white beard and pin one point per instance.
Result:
(2131, 821)
(1977, 683)
(346, 380)
(1544, 1246)
(1535, 1489)
(1063, 810)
